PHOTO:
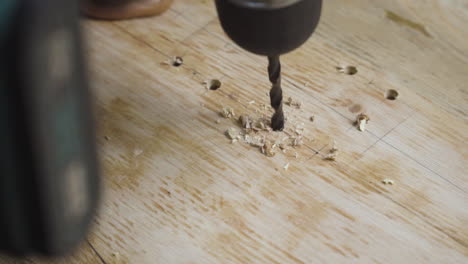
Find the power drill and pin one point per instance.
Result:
(270, 28)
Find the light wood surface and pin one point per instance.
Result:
(177, 191)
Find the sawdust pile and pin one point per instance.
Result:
(257, 133)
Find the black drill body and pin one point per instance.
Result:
(270, 28)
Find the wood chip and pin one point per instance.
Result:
(257, 141)
(251, 102)
(260, 124)
(297, 141)
(350, 70)
(286, 167)
(106, 138)
(388, 182)
(268, 149)
(218, 121)
(232, 133)
(298, 104)
(206, 84)
(137, 152)
(361, 122)
(332, 153)
(227, 112)
(312, 118)
(291, 102)
(245, 121)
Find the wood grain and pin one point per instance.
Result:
(177, 190)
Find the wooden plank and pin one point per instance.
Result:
(202, 47)
(230, 224)
(177, 190)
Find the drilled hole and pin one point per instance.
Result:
(391, 94)
(177, 61)
(350, 70)
(214, 84)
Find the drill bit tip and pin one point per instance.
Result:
(277, 121)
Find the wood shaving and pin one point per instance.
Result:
(232, 133)
(227, 112)
(297, 141)
(251, 102)
(286, 167)
(388, 182)
(361, 122)
(331, 157)
(137, 152)
(268, 149)
(106, 138)
(298, 104)
(257, 141)
(206, 84)
(260, 124)
(218, 121)
(312, 118)
(245, 121)
(332, 153)
(291, 102)
(350, 70)
(296, 155)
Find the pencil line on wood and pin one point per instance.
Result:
(96, 252)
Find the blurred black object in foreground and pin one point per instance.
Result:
(48, 169)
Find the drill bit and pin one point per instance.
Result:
(276, 94)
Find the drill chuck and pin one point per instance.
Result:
(269, 27)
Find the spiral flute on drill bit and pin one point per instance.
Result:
(276, 94)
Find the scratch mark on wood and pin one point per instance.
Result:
(406, 22)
